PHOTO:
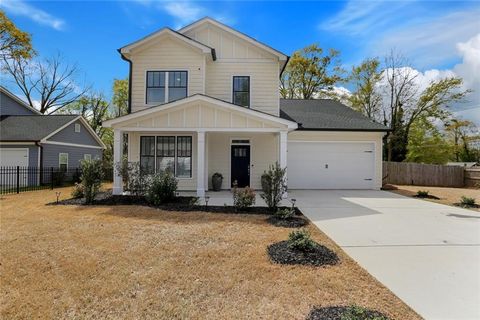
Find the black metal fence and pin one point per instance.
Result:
(20, 179)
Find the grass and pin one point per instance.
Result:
(138, 262)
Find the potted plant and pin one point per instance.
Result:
(217, 179)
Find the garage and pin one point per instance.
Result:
(331, 165)
(11, 158)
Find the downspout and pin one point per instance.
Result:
(40, 161)
(129, 80)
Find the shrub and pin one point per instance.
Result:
(78, 191)
(360, 313)
(92, 176)
(286, 213)
(134, 179)
(422, 193)
(243, 199)
(301, 240)
(467, 201)
(273, 186)
(161, 188)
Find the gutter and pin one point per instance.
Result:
(129, 80)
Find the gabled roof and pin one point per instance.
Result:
(204, 48)
(326, 115)
(18, 100)
(281, 56)
(38, 127)
(200, 97)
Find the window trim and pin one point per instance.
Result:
(87, 154)
(175, 157)
(59, 157)
(167, 71)
(249, 90)
(77, 125)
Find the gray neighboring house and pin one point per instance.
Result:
(30, 139)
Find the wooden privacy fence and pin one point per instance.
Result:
(419, 174)
(472, 177)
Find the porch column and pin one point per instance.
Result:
(117, 158)
(282, 157)
(201, 163)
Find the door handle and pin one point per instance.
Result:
(326, 166)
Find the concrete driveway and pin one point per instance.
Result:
(426, 253)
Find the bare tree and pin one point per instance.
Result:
(51, 80)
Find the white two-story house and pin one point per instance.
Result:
(205, 99)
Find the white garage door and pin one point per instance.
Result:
(331, 165)
(9, 159)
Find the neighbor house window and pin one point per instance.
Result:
(87, 156)
(147, 154)
(166, 86)
(77, 127)
(241, 91)
(63, 161)
(172, 153)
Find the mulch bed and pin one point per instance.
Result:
(343, 312)
(475, 206)
(182, 204)
(280, 252)
(293, 222)
(428, 196)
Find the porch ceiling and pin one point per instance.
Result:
(200, 113)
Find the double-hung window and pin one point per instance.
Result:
(165, 86)
(166, 153)
(63, 161)
(241, 91)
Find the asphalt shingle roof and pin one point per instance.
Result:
(326, 114)
(31, 128)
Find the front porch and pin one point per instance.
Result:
(199, 136)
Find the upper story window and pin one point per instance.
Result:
(165, 86)
(241, 91)
(77, 127)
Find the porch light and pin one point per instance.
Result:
(293, 202)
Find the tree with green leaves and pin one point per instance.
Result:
(311, 73)
(120, 96)
(14, 43)
(461, 132)
(366, 98)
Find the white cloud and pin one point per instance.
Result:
(21, 8)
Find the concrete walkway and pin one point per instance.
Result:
(426, 253)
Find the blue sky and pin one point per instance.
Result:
(437, 36)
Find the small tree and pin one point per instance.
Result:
(91, 179)
(274, 185)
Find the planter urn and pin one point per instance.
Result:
(217, 180)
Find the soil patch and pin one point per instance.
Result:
(475, 206)
(428, 196)
(292, 222)
(281, 252)
(343, 312)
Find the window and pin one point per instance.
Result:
(173, 153)
(241, 91)
(63, 161)
(184, 157)
(77, 127)
(177, 85)
(87, 156)
(166, 154)
(147, 154)
(166, 86)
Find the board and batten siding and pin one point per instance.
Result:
(346, 136)
(165, 54)
(68, 135)
(237, 57)
(75, 154)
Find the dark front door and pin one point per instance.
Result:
(241, 165)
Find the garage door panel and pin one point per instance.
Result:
(325, 165)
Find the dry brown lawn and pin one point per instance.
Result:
(447, 196)
(136, 262)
